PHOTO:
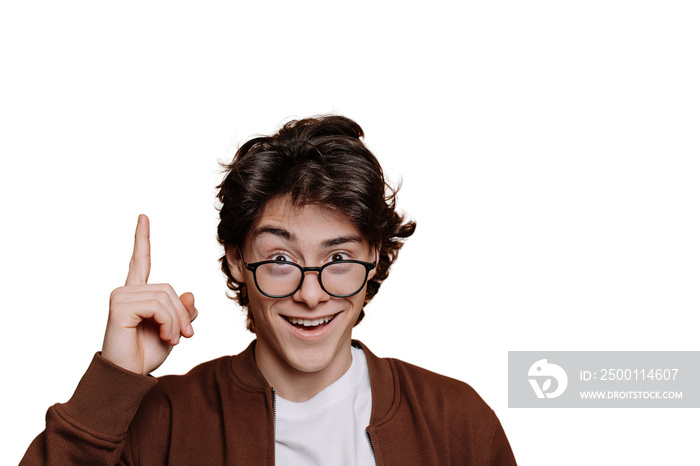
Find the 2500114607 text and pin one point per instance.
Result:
(631, 374)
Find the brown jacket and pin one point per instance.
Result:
(222, 412)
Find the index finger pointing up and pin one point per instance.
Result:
(140, 265)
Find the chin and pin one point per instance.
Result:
(314, 357)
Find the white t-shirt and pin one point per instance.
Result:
(328, 429)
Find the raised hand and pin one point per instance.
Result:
(145, 321)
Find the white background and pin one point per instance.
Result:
(548, 149)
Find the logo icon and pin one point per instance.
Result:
(544, 371)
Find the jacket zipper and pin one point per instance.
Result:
(274, 424)
(371, 447)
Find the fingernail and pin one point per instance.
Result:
(190, 331)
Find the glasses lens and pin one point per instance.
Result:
(343, 278)
(278, 279)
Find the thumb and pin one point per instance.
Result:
(187, 300)
(140, 265)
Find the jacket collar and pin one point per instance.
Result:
(245, 372)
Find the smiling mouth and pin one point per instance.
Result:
(310, 324)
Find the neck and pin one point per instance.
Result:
(294, 384)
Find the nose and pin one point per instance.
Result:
(311, 292)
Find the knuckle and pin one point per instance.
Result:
(115, 293)
(161, 314)
(157, 304)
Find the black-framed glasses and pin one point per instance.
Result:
(280, 279)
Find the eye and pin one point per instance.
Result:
(279, 256)
(338, 257)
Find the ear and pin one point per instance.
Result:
(373, 272)
(235, 263)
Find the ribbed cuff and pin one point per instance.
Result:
(107, 397)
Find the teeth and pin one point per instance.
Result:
(309, 322)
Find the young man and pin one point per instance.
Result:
(310, 231)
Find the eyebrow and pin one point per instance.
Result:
(284, 234)
(329, 243)
(281, 232)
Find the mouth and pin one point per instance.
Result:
(310, 325)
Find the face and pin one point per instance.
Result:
(308, 332)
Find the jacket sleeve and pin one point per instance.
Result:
(91, 428)
(501, 453)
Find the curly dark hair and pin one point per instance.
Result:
(320, 160)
